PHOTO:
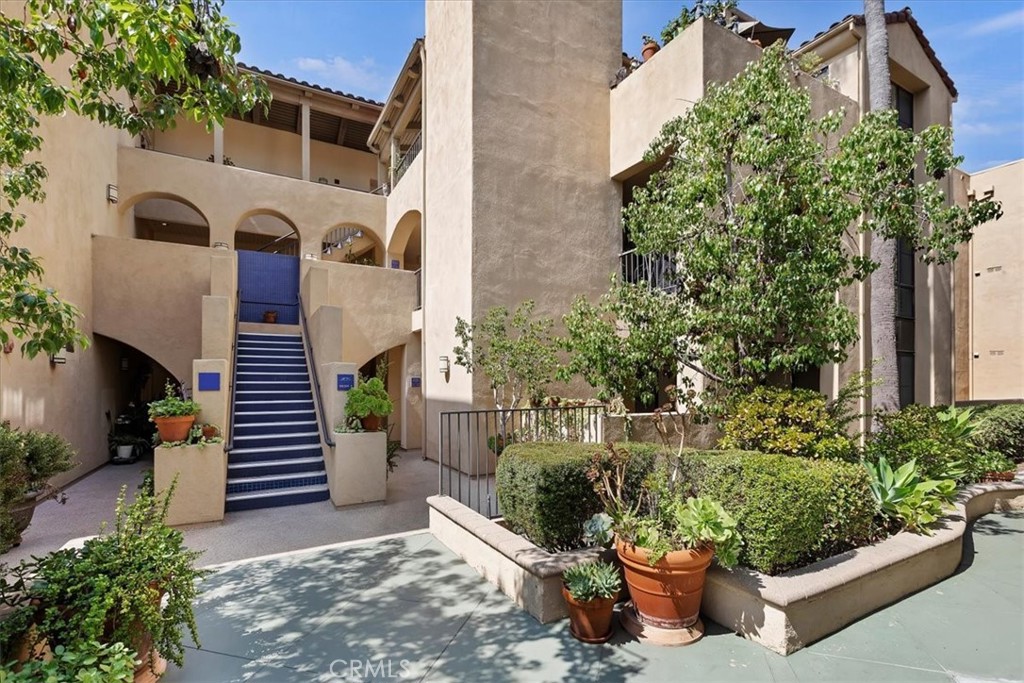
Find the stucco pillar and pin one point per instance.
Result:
(305, 137)
(218, 323)
(210, 389)
(314, 289)
(218, 144)
(325, 334)
(412, 396)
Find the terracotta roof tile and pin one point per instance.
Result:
(311, 86)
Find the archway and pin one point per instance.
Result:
(406, 242)
(352, 243)
(268, 231)
(168, 218)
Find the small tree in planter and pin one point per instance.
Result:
(173, 415)
(367, 403)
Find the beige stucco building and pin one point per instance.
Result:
(990, 294)
(494, 172)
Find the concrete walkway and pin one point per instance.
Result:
(405, 608)
(245, 534)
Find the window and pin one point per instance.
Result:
(903, 101)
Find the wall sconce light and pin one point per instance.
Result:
(57, 360)
(112, 194)
(311, 257)
(124, 363)
(444, 365)
(220, 245)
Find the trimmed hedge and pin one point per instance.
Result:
(915, 432)
(545, 495)
(1001, 428)
(791, 511)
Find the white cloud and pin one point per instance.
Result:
(1010, 21)
(363, 77)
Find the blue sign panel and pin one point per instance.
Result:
(416, 382)
(346, 382)
(394, 264)
(209, 381)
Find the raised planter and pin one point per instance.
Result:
(202, 481)
(790, 611)
(529, 575)
(357, 468)
(783, 613)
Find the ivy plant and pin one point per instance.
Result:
(136, 65)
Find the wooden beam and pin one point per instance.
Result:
(342, 129)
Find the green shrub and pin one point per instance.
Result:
(172, 405)
(545, 494)
(1001, 429)
(790, 422)
(369, 398)
(790, 511)
(916, 433)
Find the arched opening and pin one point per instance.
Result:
(352, 244)
(405, 247)
(168, 218)
(268, 232)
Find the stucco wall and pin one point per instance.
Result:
(225, 195)
(68, 399)
(448, 193)
(150, 296)
(995, 285)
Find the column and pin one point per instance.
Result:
(305, 137)
(218, 144)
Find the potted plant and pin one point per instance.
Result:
(123, 447)
(665, 541)
(134, 584)
(590, 591)
(650, 48)
(210, 432)
(270, 317)
(173, 415)
(28, 460)
(369, 402)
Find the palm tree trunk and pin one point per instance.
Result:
(885, 394)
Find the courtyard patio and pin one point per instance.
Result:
(404, 607)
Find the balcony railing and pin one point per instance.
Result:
(406, 161)
(419, 289)
(658, 271)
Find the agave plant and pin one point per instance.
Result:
(592, 580)
(904, 496)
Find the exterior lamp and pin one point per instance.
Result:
(220, 245)
(57, 360)
(444, 365)
(112, 194)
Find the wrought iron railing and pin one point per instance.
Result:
(406, 161)
(229, 428)
(658, 271)
(326, 430)
(471, 441)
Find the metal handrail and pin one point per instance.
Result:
(229, 444)
(325, 432)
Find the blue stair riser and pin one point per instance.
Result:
(275, 429)
(245, 399)
(286, 414)
(277, 375)
(270, 406)
(276, 501)
(244, 385)
(263, 456)
(286, 363)
(253, 336)
(313, 479)
(272, 441)
(273, 468)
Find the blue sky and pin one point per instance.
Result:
(359, 45)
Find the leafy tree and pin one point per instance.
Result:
(514, 351)
(132, 64)
(759, 203)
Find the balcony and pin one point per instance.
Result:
(657, 271)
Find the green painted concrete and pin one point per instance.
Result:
(408, 609)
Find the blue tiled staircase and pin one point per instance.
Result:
(276, 459)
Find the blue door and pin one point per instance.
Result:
(268, 282)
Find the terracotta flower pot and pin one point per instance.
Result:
(371, 423)
(270, 317)
(650, 49)
(590, 622)
(174, 428)
(209, 432)
(668, 594)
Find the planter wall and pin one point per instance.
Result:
(357, 468)
(790, 611)
(529, 575)
(202, 481)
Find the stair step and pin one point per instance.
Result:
(283, 479)
(277, 482)
(270, 453)
(264, 417)
(271, 429)
(264, 499)
(271, 361)
(256, 468)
